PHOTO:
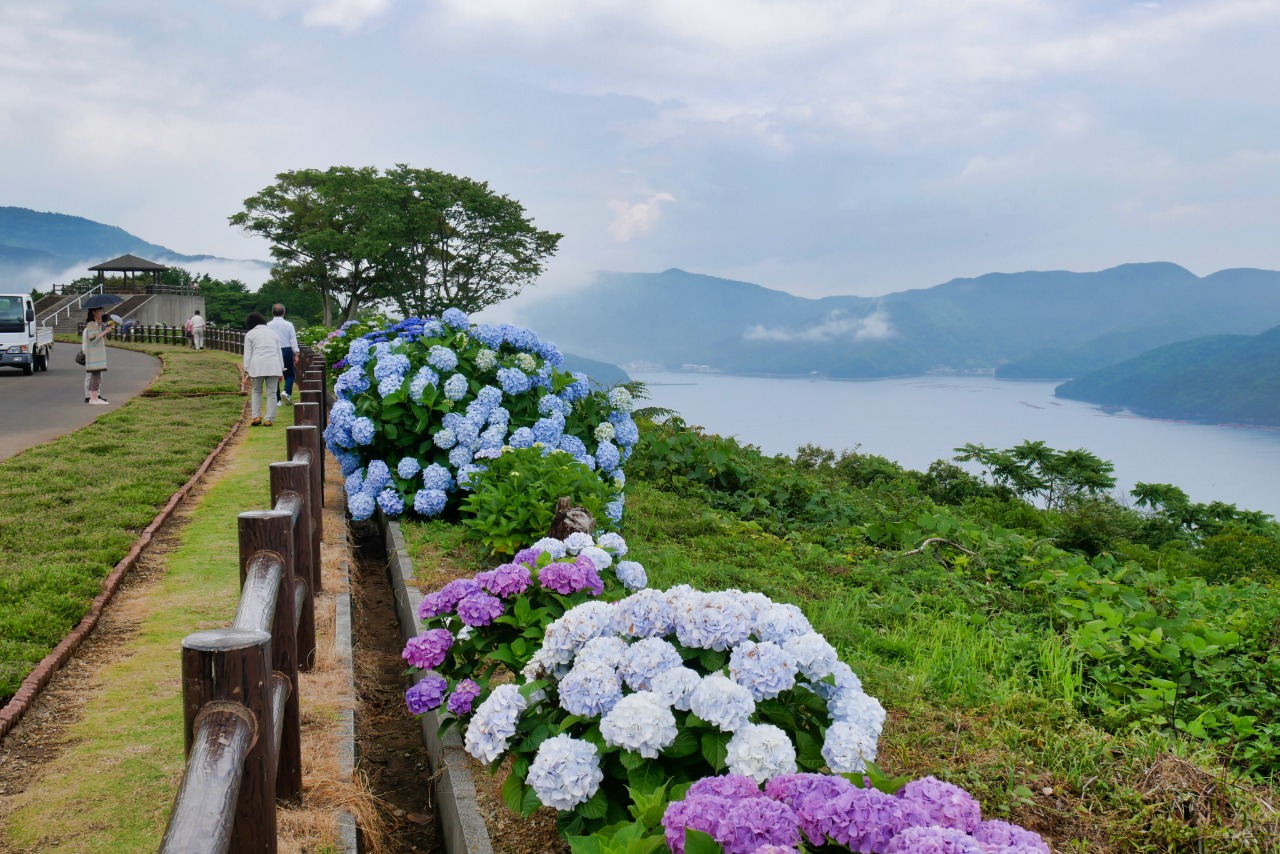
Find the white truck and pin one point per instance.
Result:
(23, 344)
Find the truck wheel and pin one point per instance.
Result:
(41, 362)
(28, 369)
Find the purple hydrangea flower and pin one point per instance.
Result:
(860, 819)
(509, 579)
(731, 787)
(933, 840)
(464, 694)
(447, 598)
(931, 802)
(703, 813)
(996, 836)
(566, 578)
(753, 822)
(479, 609)
(428, 649)
(528, 556)
(428, 694)
(804, 793)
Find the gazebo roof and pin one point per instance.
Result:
(128, 263)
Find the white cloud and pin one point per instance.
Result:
(837, 324)
(346, 15)
(634, 218)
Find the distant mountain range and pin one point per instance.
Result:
(1220, 379)
(36, 246)
(1042, 325)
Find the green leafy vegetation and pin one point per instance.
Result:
(73, 507)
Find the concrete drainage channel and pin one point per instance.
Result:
(461, 826)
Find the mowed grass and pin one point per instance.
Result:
(112, 789)
(72, 508)
(980, 689)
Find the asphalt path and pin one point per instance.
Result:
(48, 404)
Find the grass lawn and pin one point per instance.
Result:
(112, 789)
(74, 506)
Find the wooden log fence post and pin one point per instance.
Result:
(291, 481)
(223, 734)
(304, 444)
(234, 666)
(268, 534)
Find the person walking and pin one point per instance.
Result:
(264, 363)
(196, 325)
(288, 348)
(94, 342)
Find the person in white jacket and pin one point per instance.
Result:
(264, 364)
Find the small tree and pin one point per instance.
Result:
(1033, 469)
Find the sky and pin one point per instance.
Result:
(815, 146)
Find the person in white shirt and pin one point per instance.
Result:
(197, 331)
(288, 347)
(264, 365)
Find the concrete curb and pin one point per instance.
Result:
(462, 828)
(39, 678)
(348, 830)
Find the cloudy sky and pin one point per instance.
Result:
(817, 146)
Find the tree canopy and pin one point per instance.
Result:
(423, 239)
(1033, 469)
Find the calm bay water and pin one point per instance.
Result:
(918, 420)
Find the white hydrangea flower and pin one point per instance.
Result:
(599, 558)
(755, 603)
(631, 574)
(620, 399)
(608, 650)
(765, 669)
(675, 686)
(845, 680)
(645, 659)
(612, 542)
(641, 723)
(486, 360)
(858, 708)
(577, 541)
(813, 655)
(493, 724)
(645, 614)
(552, 545)
(781, 621)
(722, 702)
(711, 621)
(604, 432)
(848, 747)
(526, 363)
(761, 752)
(565, 636)
(566, 772)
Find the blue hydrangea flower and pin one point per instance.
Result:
(493, 437)
(336, 436)
(675, 686)
(459, 456)
(625, 430)
(549, 404)
(541, 378)
(722, 702)
(631, 574)
(814, 657)
(348, 461)
(354, 483)
(513, 380)
(376, 476)
(590, 689)
(765, 669)
(487, 334)
(848, 747)
(521, 437)
(455, 388)
(361, 506)
(408, 467)
(499, 417)
(566, 772)
(362, 430)
(468, 431)
(613, 510)
(455, 319)
(780, 622)
(465, 473)
(573, 446)
(390, 385)
(551, 353)
(494, 723)
(713, 621)
(444, 438)
(442, 358)
(432, 328)
(645, 659)
(358, 352)
(390, 501)
(352, 381)
(519, 337)
(646, 614)
(423, 378)
(342, 412)
(548, 430)
(607, 456)
(394, 364)
(436, 476)
(429, 502)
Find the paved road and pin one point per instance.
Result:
(44, 406)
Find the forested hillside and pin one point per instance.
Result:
(1221, 379)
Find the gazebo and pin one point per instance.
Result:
(127, 264)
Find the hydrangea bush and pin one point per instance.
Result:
(474, 627)
(669, 687)
(422, 404)
(848, 813)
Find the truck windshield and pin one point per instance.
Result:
(11, 314)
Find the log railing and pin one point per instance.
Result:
(241, 719)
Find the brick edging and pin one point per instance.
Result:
(38, 678)
(462, 827)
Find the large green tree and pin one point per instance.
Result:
(1033, 469)
(423, 239)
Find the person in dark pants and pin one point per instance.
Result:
(288, 347)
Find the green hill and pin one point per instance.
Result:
(1024, 325)
(1220, 379)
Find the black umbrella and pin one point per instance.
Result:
(101, 301)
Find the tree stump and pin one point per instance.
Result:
(570, 520)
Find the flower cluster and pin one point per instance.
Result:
(430, 400)
(924, 816)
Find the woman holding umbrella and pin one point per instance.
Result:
(95, 352)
